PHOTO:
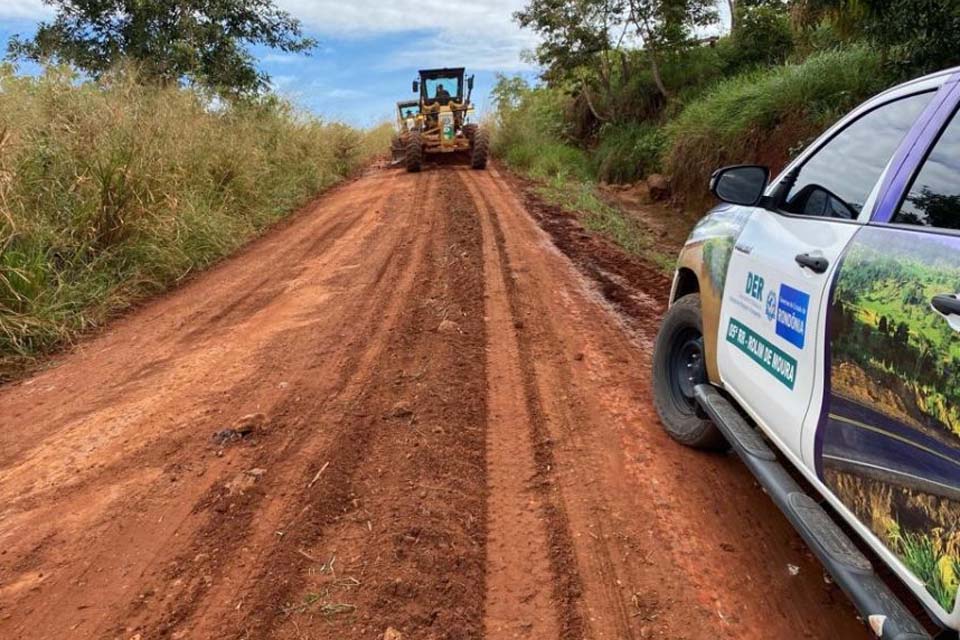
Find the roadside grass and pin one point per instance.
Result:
(626, 153)
(768, 115)
(526, 140)
(111, 192)
(760, 116)
(582, 198)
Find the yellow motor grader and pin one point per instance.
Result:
(441, 124)
(408, 119)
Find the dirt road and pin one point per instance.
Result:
(456, 440)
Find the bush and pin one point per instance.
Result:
(763, 115)
(530, 132)
(762, 37)
(629, 152)
(922, 35)
(114, 191)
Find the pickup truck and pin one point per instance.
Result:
(814, 322)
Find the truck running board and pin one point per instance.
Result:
(851, 570)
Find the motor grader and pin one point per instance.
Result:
(441, 124)
(408, 119)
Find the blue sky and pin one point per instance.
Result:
(369, 50)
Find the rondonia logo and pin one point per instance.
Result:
(792, 315)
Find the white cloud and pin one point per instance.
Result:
(478, 34)
(282, 58)
(279, 82)
(344, 94)
(34, 9)
(483, 54)
(370, 17)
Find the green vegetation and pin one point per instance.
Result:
(198, 41)
(629, 89)
(114, 190)
(884, 325)
(581, 197)
(766, 115)
(531, 139)
(924, 557)
(629, 152)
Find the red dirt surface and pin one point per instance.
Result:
(456, 442)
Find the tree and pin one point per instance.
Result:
(664, 25)
(200, 41)
(577, 36)
(917, 35)
(761, 35)
(591, 34)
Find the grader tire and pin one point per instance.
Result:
(469, 131)
(397, 150)
(414, 153)
(481, 148)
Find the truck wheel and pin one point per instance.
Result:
(480, 149)
(678, 366)
(414, 153)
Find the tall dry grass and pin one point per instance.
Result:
(113, 191)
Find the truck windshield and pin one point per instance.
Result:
(449, 85)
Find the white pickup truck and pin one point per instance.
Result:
(814, 322)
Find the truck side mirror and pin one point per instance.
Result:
(470, 83)
(416, 86)
(740, 184)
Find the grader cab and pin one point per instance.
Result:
(442, 125)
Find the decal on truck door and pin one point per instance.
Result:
(890, 445)
(786, 317)
(773, 360)
(791, 315)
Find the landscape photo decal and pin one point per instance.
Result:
(890, 446)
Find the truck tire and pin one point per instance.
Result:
(678, 366)
(414, 153)
(480, 149)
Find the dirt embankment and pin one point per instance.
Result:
(455, 440)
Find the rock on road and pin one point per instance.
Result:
(456, 441)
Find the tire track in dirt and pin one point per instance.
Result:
(402, 544)
(136, 496)
(262, 516)
(523, 599)
(581, 617)
(669, 543)
(564, 427)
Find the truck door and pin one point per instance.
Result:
(782, 262)
(889, 444)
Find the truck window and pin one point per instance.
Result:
(934, 196)
(837, 179)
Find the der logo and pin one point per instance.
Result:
(754, 286)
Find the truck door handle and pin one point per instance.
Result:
(947, 304)
(814, 263)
